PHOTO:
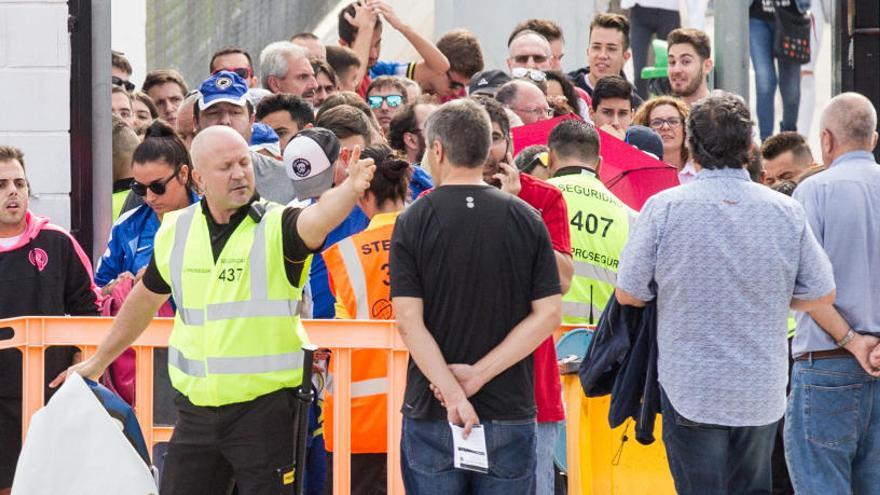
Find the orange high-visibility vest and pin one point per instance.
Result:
(359, 278)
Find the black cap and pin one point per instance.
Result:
(645, 139)
(487, 82)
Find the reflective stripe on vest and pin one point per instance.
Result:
(589, 270)
(235, 365)
(259, 304)
(366, 388)
(356, 277)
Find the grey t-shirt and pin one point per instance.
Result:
(272, 181)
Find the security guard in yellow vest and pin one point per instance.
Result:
(599, 222)
(235, 266)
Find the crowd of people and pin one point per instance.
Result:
(325, 182)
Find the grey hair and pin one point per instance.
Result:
(464, 130)
(529, 32)
(852, 119)
(273, 59)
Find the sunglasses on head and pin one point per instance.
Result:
(243, 72)
(128, 85)
(157, 186)
(393, 101)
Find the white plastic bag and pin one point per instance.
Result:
(73, 446)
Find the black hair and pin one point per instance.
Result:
(719, 132)
(299, 109)
(391, 179)
(162, 143)
(567, 89)
(496, 112)
(574, 138)
(610, 87)
(347, 32)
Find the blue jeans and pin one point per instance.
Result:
(717, 459)
(832, 428)
(545, 450)
(761, 50)
(427, 465)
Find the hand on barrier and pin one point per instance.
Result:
(86, 369)
(865, 349)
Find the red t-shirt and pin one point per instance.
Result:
(547, 199)
(365, 83)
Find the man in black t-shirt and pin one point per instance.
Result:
(475, 290)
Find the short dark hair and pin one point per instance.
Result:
(118, 60)
(345, 121)
(497, 114)
(347, 32)
(147, 101)
(391, 179)
(612, 21)
(387, 82)
(402, 122)
(341, 59)
(778, 144)
(574, 138)
(755, 165)
(162, 143)
(162, 76)
(694, 37)
(568, 91)
(719, 131)
(299, 109)
(11, 153)
(612, 87)
(230, 50)
(463, 51)
(345, 98)
(462, 128)
(320, 66)
(544, 27)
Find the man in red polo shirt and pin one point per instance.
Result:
(548, 200)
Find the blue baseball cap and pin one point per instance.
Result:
(224, 86)
(263, 134)
(645, 139)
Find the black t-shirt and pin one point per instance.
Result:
(477, 257)
(764, 9)
(295, 250)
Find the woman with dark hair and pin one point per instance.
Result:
(144, 112)
(162, 174)
(559, 87)
(359, 278)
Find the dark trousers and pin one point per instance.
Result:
(250, 441)
(714, 459)
(369, 474)
(644, 22)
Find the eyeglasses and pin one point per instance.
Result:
(243, 72)
(128, 85)
(158, 186)
(546, 111)
(672, 122)
(393, 101)
(526, 73)
(524, 59)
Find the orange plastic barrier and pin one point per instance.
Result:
(33, 335)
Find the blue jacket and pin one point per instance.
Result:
(131, 243)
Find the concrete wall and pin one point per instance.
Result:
(34, 84)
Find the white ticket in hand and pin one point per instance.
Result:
(470, 453)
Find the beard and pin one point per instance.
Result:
(692, 86)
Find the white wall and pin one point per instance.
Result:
(35, 89)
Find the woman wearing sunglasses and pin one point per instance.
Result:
(161, 175)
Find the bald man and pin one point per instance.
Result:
(832, 423)
(526, 100)
(236, 315)
(529, 50)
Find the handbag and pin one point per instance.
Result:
(791, 42)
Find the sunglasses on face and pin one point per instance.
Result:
(524, 59)
(128, 85)
(243, 72)
(157, 186)
(393, 101)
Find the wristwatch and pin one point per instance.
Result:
(851, 334)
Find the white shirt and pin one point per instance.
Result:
(687, 174)
(6, 242)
